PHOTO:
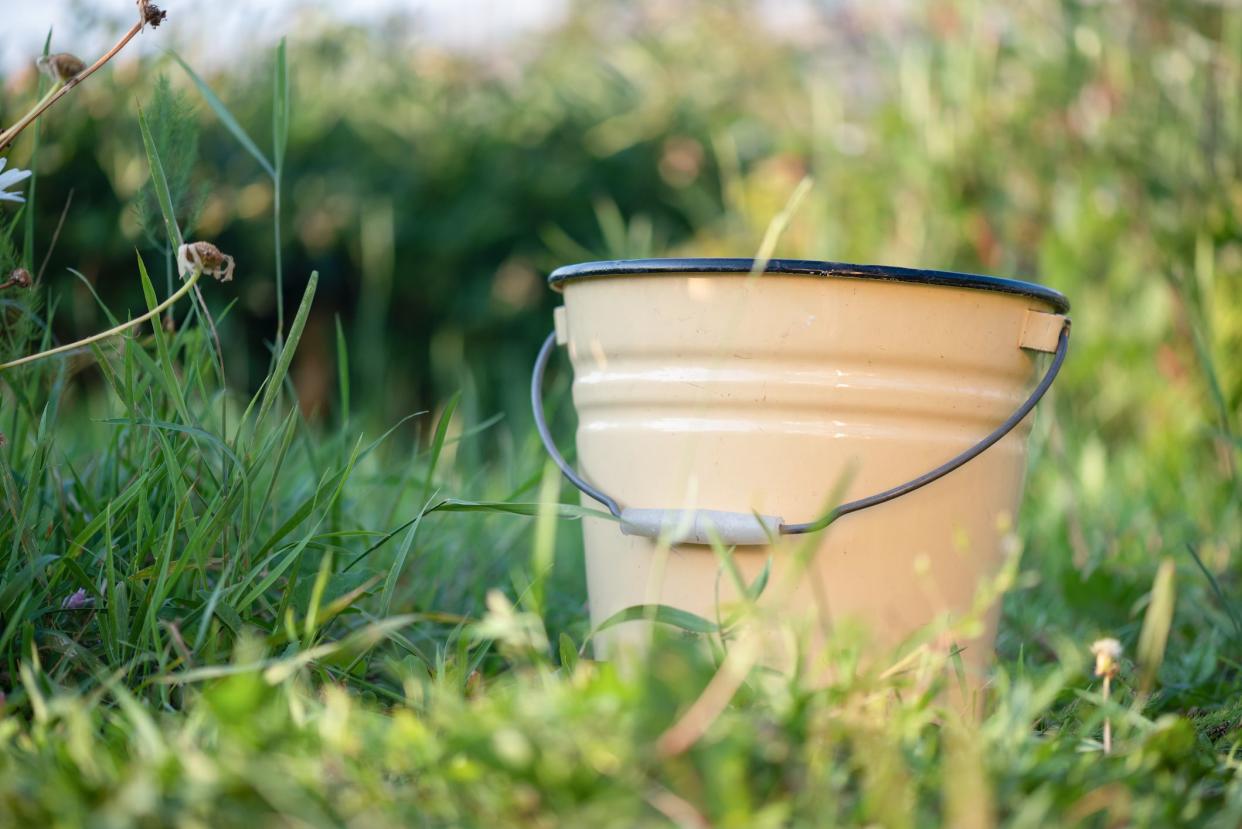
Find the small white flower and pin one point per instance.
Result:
(7, 180)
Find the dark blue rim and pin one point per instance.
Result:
(807, 267)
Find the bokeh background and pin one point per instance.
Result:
(444, 157)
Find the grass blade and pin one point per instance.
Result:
(312, 608)
(761, 581)
(160, 182)
(1156, 624)
(437, 442)
(663, 614)
(398, 564)
(568, 511)
(342, 371)
(226, 117)
(568, 653)
(1225, 603)
(166, 365)
(280, 108)
(437, 446)
(543, 551)
(276, 381)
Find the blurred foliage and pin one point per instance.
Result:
(571, 748)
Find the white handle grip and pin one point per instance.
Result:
(698, 526)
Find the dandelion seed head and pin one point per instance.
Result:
(1107, 654)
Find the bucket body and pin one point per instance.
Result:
(767, 394)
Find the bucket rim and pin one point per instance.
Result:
(809, 267)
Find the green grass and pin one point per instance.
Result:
(218, 610)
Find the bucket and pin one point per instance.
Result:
(720, 399)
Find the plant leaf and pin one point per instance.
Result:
(761, 581)
(661, 614)
(569, 653)
(277, 380)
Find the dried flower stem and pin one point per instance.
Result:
(1108, 723)
(1107, 654)
(44, 102)
(111, 332)
(19, 278)
(58, 92)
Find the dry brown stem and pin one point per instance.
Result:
(148, 13)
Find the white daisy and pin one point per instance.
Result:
(10, 178)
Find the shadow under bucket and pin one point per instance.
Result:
(717, 402)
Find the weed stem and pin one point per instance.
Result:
(1108, 723)
(111, 332)
(61, 90)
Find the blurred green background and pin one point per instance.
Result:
(1093, 146)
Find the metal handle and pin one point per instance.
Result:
(748, 528)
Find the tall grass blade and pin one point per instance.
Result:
(167, 368)
(276, 381)
(543, 551)
(160, 182)
(663, 614)
(1156, 624)
(342, 371)
(398, 563)
(1225, 603)
(437, 442)
(568, 511)
(312, 609)
(437, 447)
(226, 117)
(280, 108)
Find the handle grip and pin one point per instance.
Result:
(743, 528)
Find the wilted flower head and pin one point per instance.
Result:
(1107, 657)
(151, 14)
(19, 278)
(77, 600)
(60, 67)
(8, 179)
(205, 257)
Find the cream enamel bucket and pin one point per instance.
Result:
(713, 401)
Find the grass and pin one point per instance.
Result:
(216, 610)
